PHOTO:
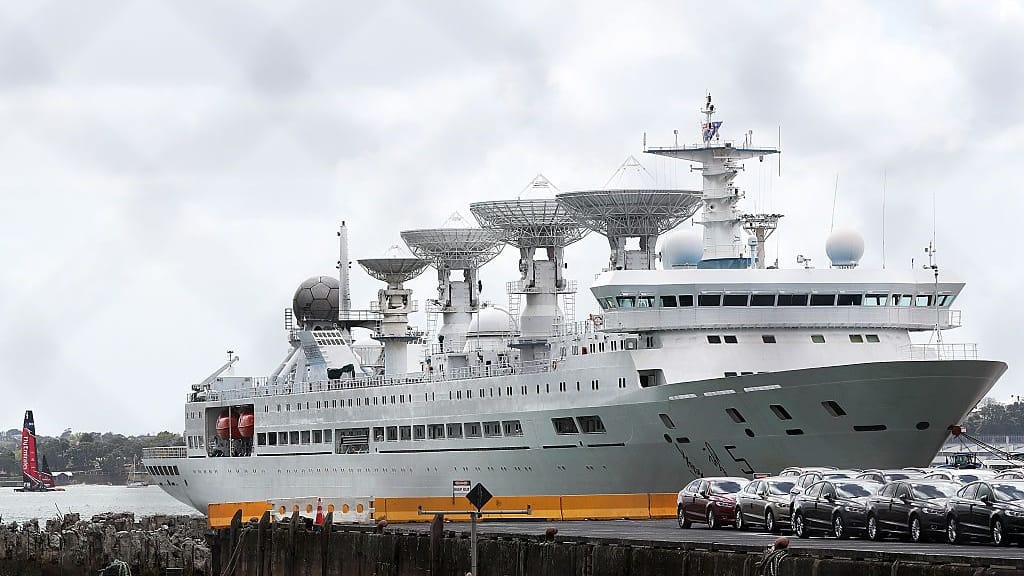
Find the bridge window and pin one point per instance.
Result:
(901, 300)
(709, 300)
(668, 301)
(564, 426)
(626, 301)
(685, 300)
(762, 300)
(607, 303)
(823, 299)
(735, 299)
(850, 300)
(875, 299)
(768, 338)
(645, 302)
(591, 424)
(945, 299)
(792, 300)
(923, 300)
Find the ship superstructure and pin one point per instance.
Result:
(713, 364)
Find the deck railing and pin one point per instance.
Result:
(940, 352)
(164, 452)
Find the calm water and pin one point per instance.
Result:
(87, 501)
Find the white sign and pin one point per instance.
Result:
(461, 487)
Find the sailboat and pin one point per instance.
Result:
(35, 471)
(135, 476)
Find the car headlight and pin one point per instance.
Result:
(854, 509)
(1015, 513)
(723, 504)
(933, 511)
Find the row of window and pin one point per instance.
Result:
(294, 437)
(770, 338)
(395, 433)
(774, 300)
(587, 425)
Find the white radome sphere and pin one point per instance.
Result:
(845, 247)
(489, 320)
(682, 249)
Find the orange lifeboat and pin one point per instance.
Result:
(246, 423)
(227, 426)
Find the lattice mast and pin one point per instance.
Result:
(534, 225)
(395, 304)
(456, 247)
(761, 226)
(719, 162)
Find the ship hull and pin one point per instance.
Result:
(891, 414)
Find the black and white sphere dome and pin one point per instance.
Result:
(682, 249)
(316, 300)
(845, 247)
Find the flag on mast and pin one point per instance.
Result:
(711, 131)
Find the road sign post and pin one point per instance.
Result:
(478, 496)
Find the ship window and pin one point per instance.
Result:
(856, 338)
(293, 436)
(668, 301)
(730, 374)
(709, 300)
(454, 430)
(794, 431)
(435, 431)
(823, 299)
(318, 436)
(512, 428)
(872, 428)
(730, 339)
(850, 300)
(626, 301)
(305, 436)
(735, 415)
(472, 429)
(667, 421)
(327, 436)
(768, 338)
(405, 432)
(392, 433)
(792, 300)
(712, 339)
(271, 439)
(762, 300)
(607, 303)
(901, 300)
(564, 426)
(261, 439)
(735, 299)
(685, 300)
(872, 337)
(282, 438)
(945, 299)
(818, 338)
(833, 408)
(875, 299)
(591, 424)
(492, 429)
(781, 412)
(378, 434)
(645, 302)
(923, 300)
(419, 432)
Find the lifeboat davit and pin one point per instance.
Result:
(227, 426)
(246, 423)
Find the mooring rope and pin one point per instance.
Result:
(236, 553)
(121, 567)
(769, 563)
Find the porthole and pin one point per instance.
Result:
(794, 432)
(749, 432)
(923, 425)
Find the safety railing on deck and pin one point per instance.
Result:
(940, 352)
(164, 452)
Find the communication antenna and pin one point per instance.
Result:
(835, 193)
(884, 173)
(779, 147)
(933, 265)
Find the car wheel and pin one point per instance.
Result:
(712, 520)
(740, 525)
(917, 534)
(839, 527)
(799, 528)
(999, 537)
(873, 532)
(953, 531)
(769, 522)
(681, 518)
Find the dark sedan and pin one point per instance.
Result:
(836, 507)
(709, 500)
(885, 476)
(991, 509)
(915, 508)
(764, 502)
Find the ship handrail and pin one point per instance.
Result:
(164, 452)
(944, 351)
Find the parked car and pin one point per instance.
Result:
(963, 476)
(808, 478)
(798, 470)
(1015, 474)
(764, 502)
(886, 476)
(709, 500)
(837, 507)
(914, 508)
(990, 509)
(919, 470)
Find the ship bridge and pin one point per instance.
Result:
(685, 299)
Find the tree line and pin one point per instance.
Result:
(109, 453)
(996, 420)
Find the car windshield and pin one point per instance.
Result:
(968, 478)
(725, 487)
(933, 491)
(1007, 492)
(781, 487)
(897, 476)
(837, 475)
(856, 489)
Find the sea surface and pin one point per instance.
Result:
(88, 500)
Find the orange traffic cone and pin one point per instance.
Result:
(319, 521)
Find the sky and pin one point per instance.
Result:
(171, 171)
